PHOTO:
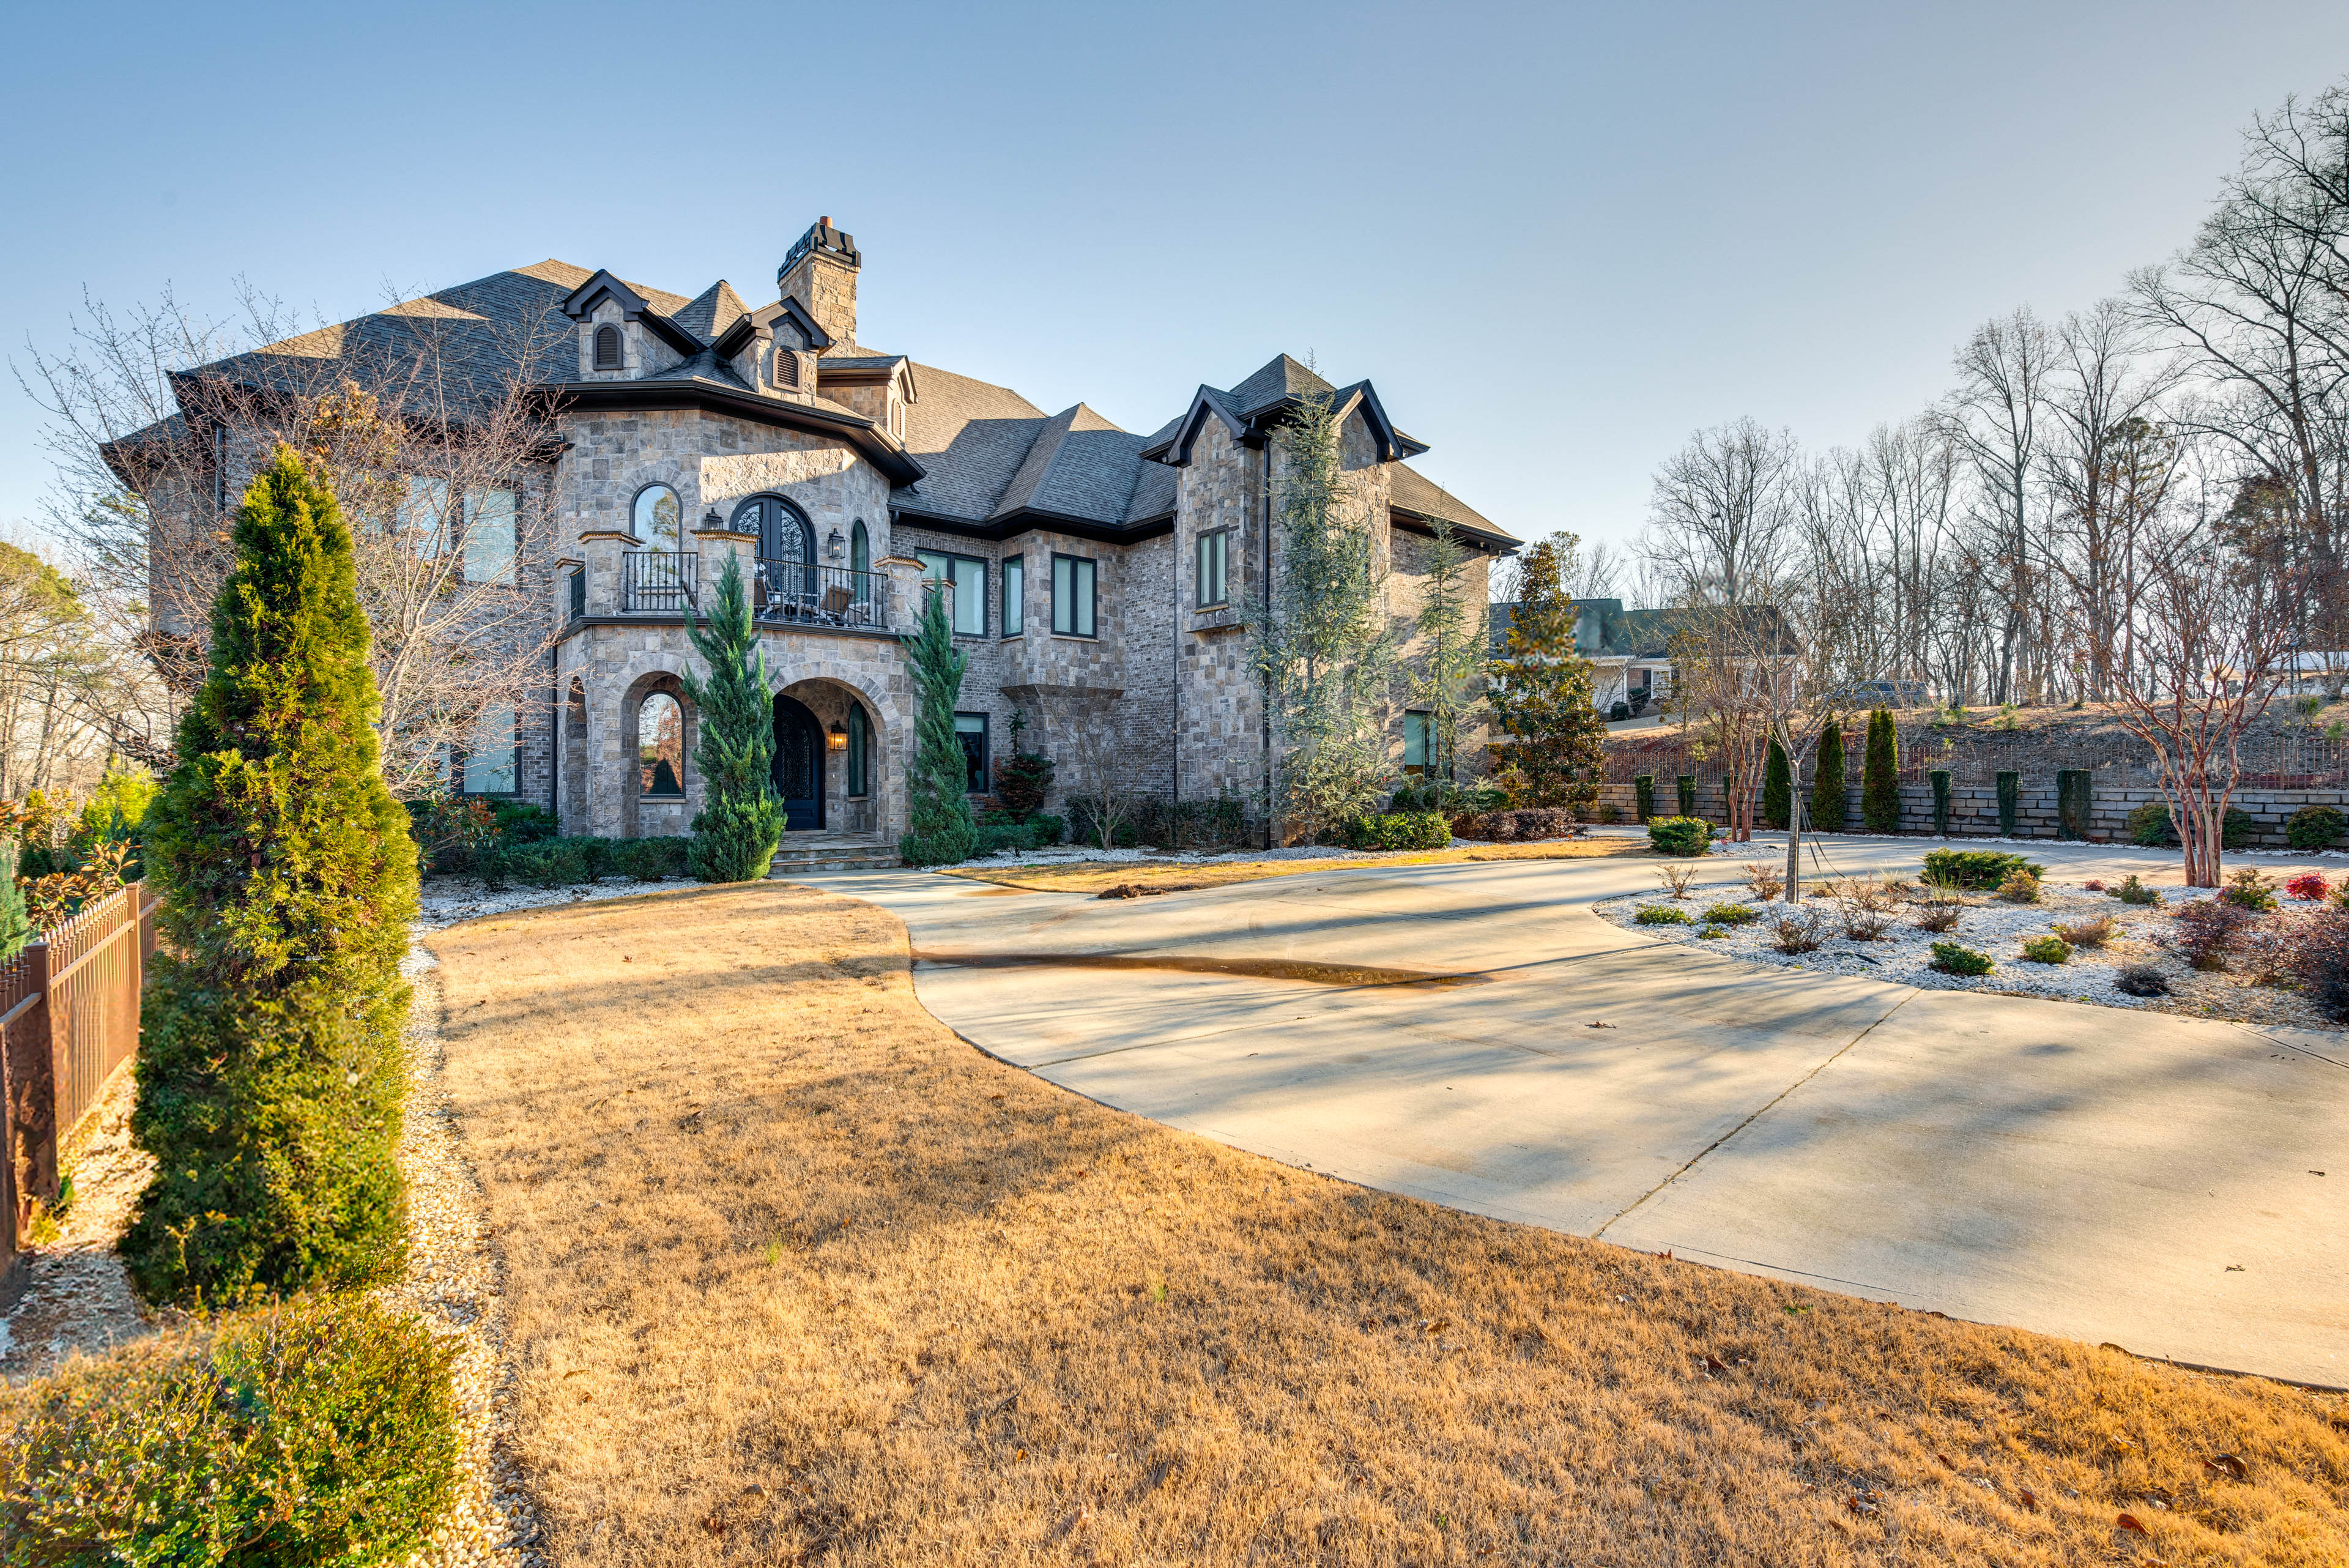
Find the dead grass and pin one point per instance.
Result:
(796, 1276)
(1174, 877)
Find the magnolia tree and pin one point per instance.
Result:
(427, 425)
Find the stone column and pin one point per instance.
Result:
(904, 577)
(602, 548)
(564, 566)
(715, 544)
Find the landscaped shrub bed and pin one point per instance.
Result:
(2150, 826)
(566, 862)
(322, 1430)
(1523, 825)
(1977, 867)
(1681, 834)
(1401, 830)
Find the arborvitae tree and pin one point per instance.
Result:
(938, 828)
(270, 1069)
(741, 819)
(1879, 779)
(1553, 735)
(15, 924)
(1827, 779)
(1777, 786)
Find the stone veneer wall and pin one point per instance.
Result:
(1974, 808)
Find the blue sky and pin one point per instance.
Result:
(1559, 238)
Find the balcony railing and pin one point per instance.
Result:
(795, 592)
(656, 582)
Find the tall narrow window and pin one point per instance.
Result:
(1015, 590)
(489, 536)
(1419, 740)
(490, 757)
(607, 347)
(965, 578)
(660, 748)
(425, 518)
(860, 548)
(1214, 560)
(860, 750)
(656, 517)
(1072, 596)
(970, 731)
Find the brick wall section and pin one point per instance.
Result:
(1974, 808)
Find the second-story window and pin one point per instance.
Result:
(1213, 564)
(489, 536)
(607, 349)
(656, 517)
(1073, 579)
(965, 580)
(1015, 591)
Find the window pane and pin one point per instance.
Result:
(859, 739)
(1073, 596)
(426, 512)
(970, 729)
(490, 757)
(970, 597)
(1015, 588)
(1062, 593)
(1213, 567)
(489, 536)
(1415, 740)
(656, 519)
(660, 746)
(1084, 598)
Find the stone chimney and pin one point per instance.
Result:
(821, 274)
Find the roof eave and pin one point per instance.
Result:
(901, 466)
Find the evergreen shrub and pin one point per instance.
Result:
(2048, 950)
(2149, 827)
(2141, 979)
(1976, 867)
(2313, 827)
(939, 830)
(270, 1069)
(740, 823)
(1777, 786)
(1401, 830)
(2010, 803)
(2132, 890)
(1879, 790)
(1955, 958)
(1661, 915)
(1643, 791)
(2020, 888)
(1828, 779)
(1732, 915)
(1680, 835)
(2246, 889)
(322, 1430)
(1940, 780)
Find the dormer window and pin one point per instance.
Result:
(787, 368)
(607, 349)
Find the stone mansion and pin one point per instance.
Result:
(1101, 582)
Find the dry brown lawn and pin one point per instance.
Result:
(796, 1276)
(1175, 876)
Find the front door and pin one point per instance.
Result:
(799, 764)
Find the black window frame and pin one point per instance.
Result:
(1426, 765)
(1012, 610)
(985, 761)
(858, 783)
(1092, 598)
(956, 560)
(1220, 539)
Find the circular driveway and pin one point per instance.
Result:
(2177, 1186)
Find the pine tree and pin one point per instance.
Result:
(1827, 779)
(1879, 778)
(1553, 736)
(742, 820)
(1777, 787)
(938, 827)
(15, 923)
(270, 1066)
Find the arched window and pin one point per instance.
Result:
(787, 366)
(656, 517)
(660, 748)
(860, 750)
(607, 349)
(782, 529)
(860, 548)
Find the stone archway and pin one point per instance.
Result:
(660, 788)
(857, 784)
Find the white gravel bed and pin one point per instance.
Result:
(453, 1279)
(1905, 954)
(1073, 854)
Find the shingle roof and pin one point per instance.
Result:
(1414, 492)
(710, 312)
(1080, 465)
(1283, 378)
(971, 436)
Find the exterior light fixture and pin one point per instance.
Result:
(713, 522)
(832, 544)
(836, 738)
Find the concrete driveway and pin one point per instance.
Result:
(2140, 1178)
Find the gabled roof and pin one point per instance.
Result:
(970, 436)
(637, 305)
(1415, 498)
(735, 336)
(1268, 396)
(709, 313)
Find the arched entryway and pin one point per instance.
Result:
(798, 763)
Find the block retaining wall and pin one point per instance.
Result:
(1974, 808)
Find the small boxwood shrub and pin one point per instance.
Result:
(1954, 958)
(1037, 831)
(2048, 950)
(2020, 888)
(1976, 867)
(2150, 826)
(1661, 915)
(1713, 933)
(1732, 915)
(1681, 834)
(2313, 827)
(1401, 830)
(322, 1430)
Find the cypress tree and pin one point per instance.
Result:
(938, 827)
(741, 819)
(1777, 787)
(270, 1067)
(1826, 780)
(1879, 786)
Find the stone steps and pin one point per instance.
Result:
(806, 852)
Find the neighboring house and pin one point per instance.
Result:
(1100, 581)
(1630, 649)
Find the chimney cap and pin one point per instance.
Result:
(822, 236)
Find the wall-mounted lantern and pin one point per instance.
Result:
(836, 738)
(832, 544)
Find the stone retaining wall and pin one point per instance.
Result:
(1974, 808)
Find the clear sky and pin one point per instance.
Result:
(1557, 237)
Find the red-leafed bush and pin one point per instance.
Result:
(2310, 886)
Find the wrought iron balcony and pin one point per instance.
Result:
(795, 592)
(658, 582)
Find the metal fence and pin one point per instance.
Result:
(658, 582)
(2291, 759)
(68, 1023)
(822, 595)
